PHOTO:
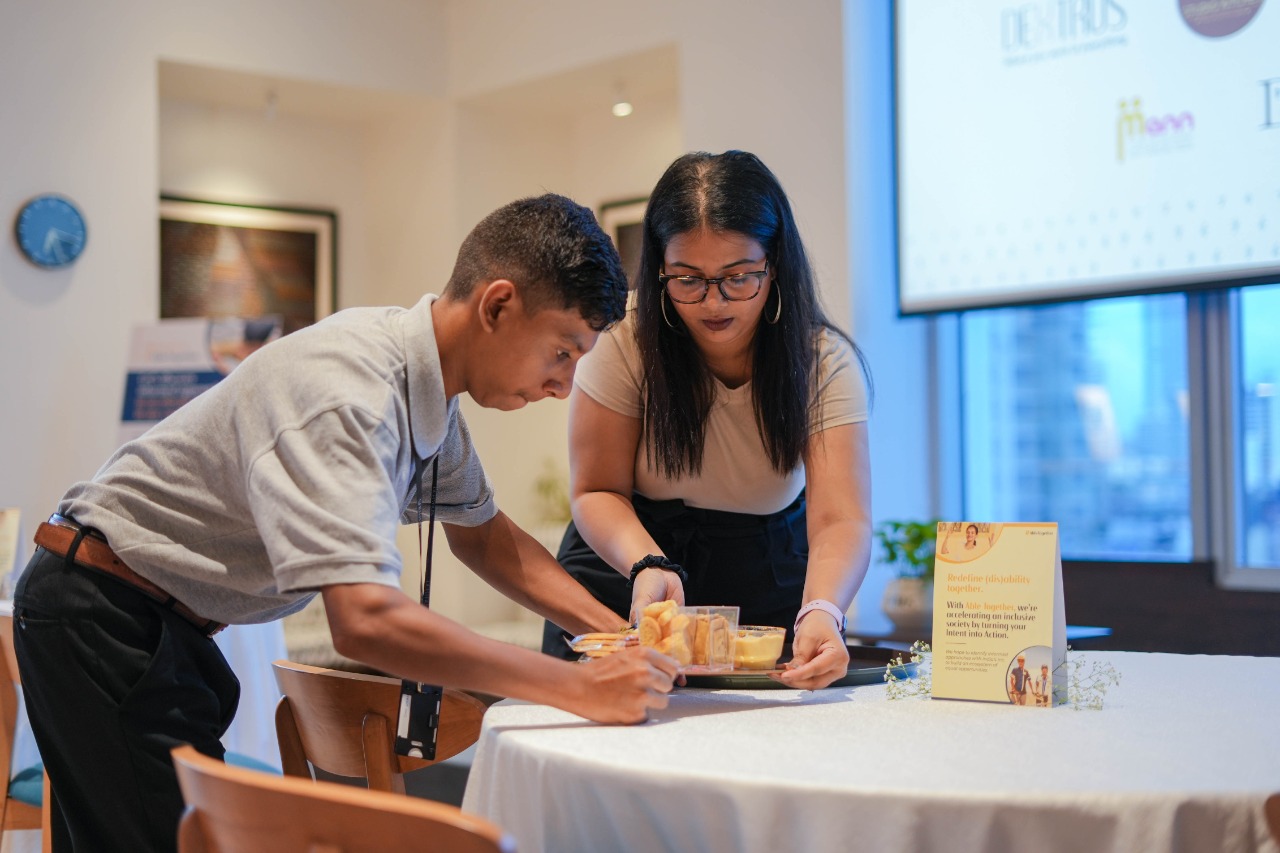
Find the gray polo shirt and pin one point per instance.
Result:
(294, 471)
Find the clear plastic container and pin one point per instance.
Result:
(701, 639)
(758, 647)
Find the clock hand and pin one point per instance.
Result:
(68, 239)
(53, 245)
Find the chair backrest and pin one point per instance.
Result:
(344, 723)
(15, 814)
(234, 810)
(9, 681)
(1272, 809)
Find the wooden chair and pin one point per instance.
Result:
(1272, 809)
(344, 723)
(26, 800)
(233, 810)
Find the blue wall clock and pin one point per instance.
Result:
(51, 230)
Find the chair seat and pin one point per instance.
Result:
(236, 759)
(27, 785)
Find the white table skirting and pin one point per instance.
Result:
(250, 649)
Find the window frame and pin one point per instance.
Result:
(1223, 360)
(1214, 406)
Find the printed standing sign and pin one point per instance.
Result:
(173, 361)
(999, 623)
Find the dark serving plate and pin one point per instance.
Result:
(866, 666)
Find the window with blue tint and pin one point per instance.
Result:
(1258, 426)
(1077, 413)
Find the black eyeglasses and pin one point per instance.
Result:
(692, 289)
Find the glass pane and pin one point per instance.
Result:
(1077, 413)
(1258, 426)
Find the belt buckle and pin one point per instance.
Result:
(68, 524)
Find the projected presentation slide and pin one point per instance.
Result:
(1076, 148)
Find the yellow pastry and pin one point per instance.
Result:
(701, 631)
(650, 632)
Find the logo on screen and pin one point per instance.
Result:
(1139, 133)
(1270, 103)
(1218, 18)
(1034, 27)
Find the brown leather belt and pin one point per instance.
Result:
(57, 535)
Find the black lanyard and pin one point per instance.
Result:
(431, 529)
(419, 719)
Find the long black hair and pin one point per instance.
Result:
(734, 192)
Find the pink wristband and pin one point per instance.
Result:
(826, 607)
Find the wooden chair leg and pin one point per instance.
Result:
(293, 759)
(46, 807)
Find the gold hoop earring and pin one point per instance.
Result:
(777, 315)
(662, 301)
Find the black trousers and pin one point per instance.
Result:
(757, 562)
(112, 682)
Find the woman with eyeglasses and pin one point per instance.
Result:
(718, 437)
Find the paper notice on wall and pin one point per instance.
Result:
(999, 630)
(173, 361)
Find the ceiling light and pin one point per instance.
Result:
(621, 105)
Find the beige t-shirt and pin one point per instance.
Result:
(736, 473)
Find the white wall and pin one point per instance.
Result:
(226, 154)
(780, 95)
(898, 349)
(411, 197)
(84, 122)
(389, 45)
(379, 170)
(784, 101)
(615, 159)
(413, 184)
(592, 157)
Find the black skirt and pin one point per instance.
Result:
(756, 562)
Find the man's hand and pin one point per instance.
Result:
(653, 585)
(380, 626)
(819, 655)
(622, 687)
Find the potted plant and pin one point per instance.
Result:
(551, 500)
(907, 547)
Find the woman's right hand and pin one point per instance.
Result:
(651, 585)
(622, 687)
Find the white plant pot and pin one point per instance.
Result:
(908, 602)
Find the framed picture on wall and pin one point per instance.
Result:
(222, 260)
(624, 222)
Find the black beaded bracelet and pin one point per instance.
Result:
(652, 561)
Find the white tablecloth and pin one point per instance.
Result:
(250, 649)
(1181, 758)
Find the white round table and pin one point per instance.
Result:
(1181, 757)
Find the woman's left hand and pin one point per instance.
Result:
(819, 655)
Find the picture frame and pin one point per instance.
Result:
(623, 221)
(223, 260)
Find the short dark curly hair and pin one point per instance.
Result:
(554, 250)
